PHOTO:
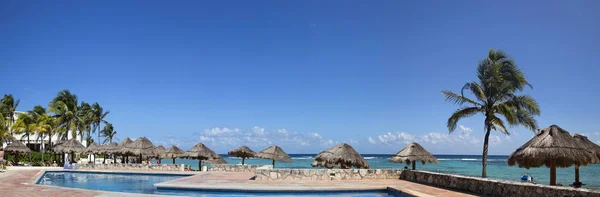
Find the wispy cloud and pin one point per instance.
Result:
(371, 140)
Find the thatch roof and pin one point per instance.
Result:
(16, 147)
(243, 151)
(57, 148)
(413, 152)
(160, 151)
(73, 146)
(174, 152)
(584, 141)
(551, 145)
(340, 156)
(200, 151)
(274, 153)
(141, 146)
(93, 148)
(121, 148)
(110, 148)
(219, 160)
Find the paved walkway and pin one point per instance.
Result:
(21, 182)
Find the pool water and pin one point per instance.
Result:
(144, 183)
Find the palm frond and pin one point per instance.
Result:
(498, 124)
(460, 114)
(458, 99)
(526, 119)
(475, 90)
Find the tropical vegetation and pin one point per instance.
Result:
(495, 97)
(64, 117)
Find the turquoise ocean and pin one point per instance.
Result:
(469, 165)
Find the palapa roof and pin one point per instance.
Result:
(219, 160)
(340, 156)
(16, 147)
(72, 145)
(173, 152)
(93, 148)
(551, 145)
(141, 146)
(110, 148)
(121, 149)
(243, 151)
(274, 153)
(57, 148)
(413, 152)
(584, 141)
(200, 151)
(160, 151)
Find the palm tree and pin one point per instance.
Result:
(43, 125)
(8, 106)
(99, 115)
(85, 119)
(66, 111)
(495, 93)
(108, 133)
(24, 125)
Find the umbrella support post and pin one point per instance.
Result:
(141, 158)
(200, 165)
(173, 160)
(577, 184)
(552, 173)
(413, 165)
(243, 158)
(273, 163)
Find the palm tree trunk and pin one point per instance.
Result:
(43, 148)
(485, 150)
(30, 162)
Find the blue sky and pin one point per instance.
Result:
(305, 74)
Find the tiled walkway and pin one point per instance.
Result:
(21, 183)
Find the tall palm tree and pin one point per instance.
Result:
(99, 115)
(24, 125)
(43, 125)
(8, 106)
(85, 119)
(108, 133)
(66, 111)
(495, 96)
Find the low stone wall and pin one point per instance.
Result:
(326, 174)
(235, 168)
(490, 187)
(135, 167)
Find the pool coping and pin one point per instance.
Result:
(165, 185)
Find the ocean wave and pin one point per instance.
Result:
(304, 157)
(468, 159)
(369, 158)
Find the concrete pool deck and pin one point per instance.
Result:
(21, 182)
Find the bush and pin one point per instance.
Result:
(36, 158)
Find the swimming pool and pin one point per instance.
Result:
(144, 183)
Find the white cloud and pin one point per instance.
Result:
(596, 133)
(329, 142)
(315, 135)
(436, 138)
(258, 131)
(398, 137)
(494, 139)
(207, 139)
(351, 141)
(282, 132)
(221, 132)
(371, 140)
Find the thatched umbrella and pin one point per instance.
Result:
(274, 153)
(243, 152)
(72, 146)
(93, 149)
(412, 153)
(585, 142)
(553, 147)
(123, 151)
(159, 152)
(17, 148)
(173, 152)
(141, 146)
(341, 156)
(111, 148)
(200, 152)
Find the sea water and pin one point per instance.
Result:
(469, 165)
